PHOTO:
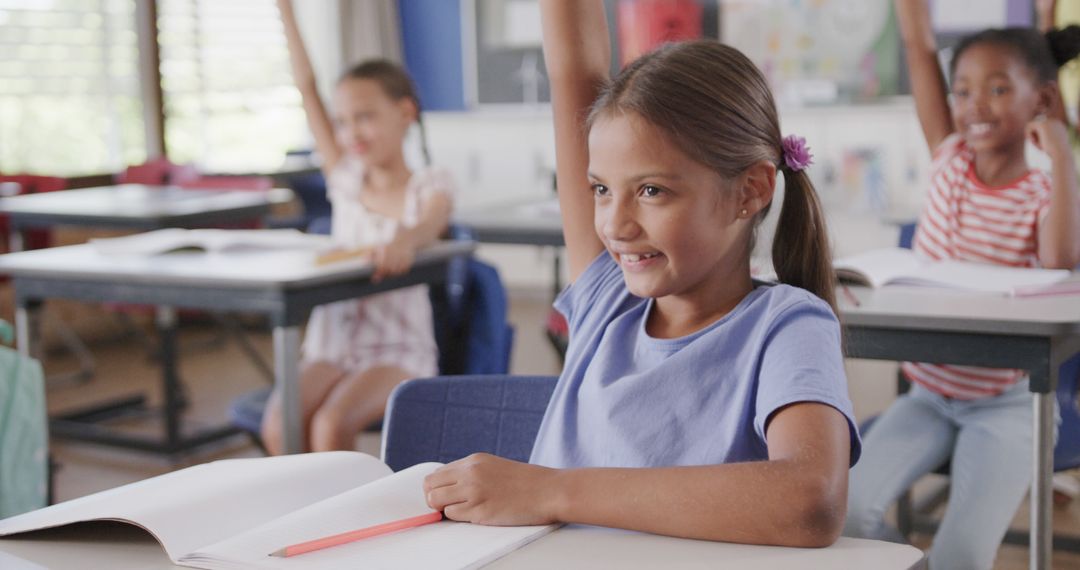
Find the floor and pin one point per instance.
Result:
(216, 372)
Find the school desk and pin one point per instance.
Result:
(137, 206)
(283, 285)
(522, 222)
(123, 547)
(977, 329)
(131, 206)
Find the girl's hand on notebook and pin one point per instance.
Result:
(490, 490)
(394, 257)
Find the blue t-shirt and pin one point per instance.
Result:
(626, 399)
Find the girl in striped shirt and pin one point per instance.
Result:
(985, 205)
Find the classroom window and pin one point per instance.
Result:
(230, 104)
(69, 87)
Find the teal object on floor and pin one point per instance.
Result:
(23, 431)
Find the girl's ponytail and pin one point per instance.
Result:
(423, 136)
(1042, 53)
(800, 249)
(1064, 44)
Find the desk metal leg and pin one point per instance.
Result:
(28, 329)
(1041, 482)
(173, 398)
(15, 240)
(92, 423)
(287, 381)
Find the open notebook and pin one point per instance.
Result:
(897, 266)
(234, 513)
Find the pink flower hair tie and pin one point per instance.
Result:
(796, 154)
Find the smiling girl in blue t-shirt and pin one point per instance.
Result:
(695, 401)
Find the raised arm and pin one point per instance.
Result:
(1059, 229)
(1044, 14)
(1046, 20)
(304, 77)
(927, 81)
(578, 58)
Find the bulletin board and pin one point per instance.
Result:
(840, 51)
(818, 51)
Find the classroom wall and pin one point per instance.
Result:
(870, 169)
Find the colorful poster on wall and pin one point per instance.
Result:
(817, 51)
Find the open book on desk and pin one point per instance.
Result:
(234, 513)
(171, 240)
(897, 266)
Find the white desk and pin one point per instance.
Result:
(137, 206)
(123, 547)
(132, 206)
(959, 327)
(284, 285)
(529, 222)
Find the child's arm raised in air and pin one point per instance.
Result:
(927, 81)
(796, 498)
(1044, 14)
(1059, 229)
(578, 58)
(318, 119)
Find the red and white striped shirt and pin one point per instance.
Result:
(967, 220)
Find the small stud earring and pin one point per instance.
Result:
(742, 213)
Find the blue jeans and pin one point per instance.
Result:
(991, 444)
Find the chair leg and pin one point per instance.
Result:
(905, 518)
(78, 349)
(132, 331)
(233, 329)
(50, 486)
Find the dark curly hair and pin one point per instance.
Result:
(1043, 54)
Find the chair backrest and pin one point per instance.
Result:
(310, 188)
(157, 171)
(907, 235)
(35, 184)
(449, 417)
(470, 312)
(35, 238)
(1067, 450)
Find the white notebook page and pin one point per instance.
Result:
(445, 544)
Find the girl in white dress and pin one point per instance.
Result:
(356, 352)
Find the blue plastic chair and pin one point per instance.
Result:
(310, 188)
(1066, 451)
(450, 417)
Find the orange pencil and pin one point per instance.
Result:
(850, 296)
(354, 535)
